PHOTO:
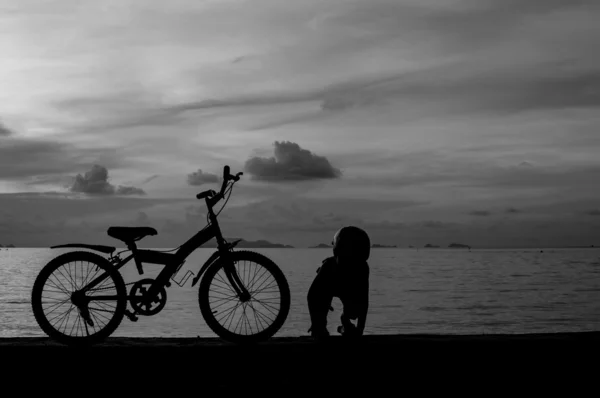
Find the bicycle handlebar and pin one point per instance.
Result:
(212, 196)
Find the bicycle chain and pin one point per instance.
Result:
(110, 287)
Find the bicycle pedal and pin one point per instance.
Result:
(132, 317)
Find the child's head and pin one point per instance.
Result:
(351, 243)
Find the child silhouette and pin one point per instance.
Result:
(344, 275)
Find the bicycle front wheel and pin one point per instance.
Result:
(72, 319)
(256, 319)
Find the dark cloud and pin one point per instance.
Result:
(95, 182)
(481, 213)
(434, 224)
(258, 99)
(471, 83)
(199, 177)
(147, 180)
(118, 110)
(465, 25)
(426, 168)
(291, 163)
(124, 190)
(25, 158)
(512, 210)
(525, 164)
(496, 91)
(62, 180)
(342, 101)
(4, 130)
(595, 212)
(44, 219)
(558, 177)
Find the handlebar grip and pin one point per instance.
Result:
(226, 173)
(237, 176)
(204, 194)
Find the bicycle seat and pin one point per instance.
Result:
(130, 234)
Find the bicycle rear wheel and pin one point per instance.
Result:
(251, 321)
(64, 319)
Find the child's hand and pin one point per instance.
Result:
(349, 331)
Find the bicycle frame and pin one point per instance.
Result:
(173, 261)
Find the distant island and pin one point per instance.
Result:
(377, 246)
(430, 246)
(320, 246)
(263, 244)
(8, 246)
(458, 246)
(258, 244)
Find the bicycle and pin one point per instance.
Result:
(92, 297)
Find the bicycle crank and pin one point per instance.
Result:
(144, 305)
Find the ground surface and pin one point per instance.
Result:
(302, 364)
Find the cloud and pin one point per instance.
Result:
(119, 109)
(344, 101)
(4, 130)
(480, 213)
(147, 180)
(595, 212)
(525, 164)
(66, 215)
(95, 182)
(512, 210)
(121, 190)
(291, 163)
(24, 158)
(199, 177)
(434, 224)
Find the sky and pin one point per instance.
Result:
(421, 121)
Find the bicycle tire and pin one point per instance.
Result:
(38, 290)
(284, 297)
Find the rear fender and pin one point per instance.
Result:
(98, 248)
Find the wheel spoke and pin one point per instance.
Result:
(225, 284)
(57, 306)
(62, 314)
(65, 318)
(63, 289)
(254, 280)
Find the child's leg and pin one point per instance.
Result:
(346, 318)
(320, 296)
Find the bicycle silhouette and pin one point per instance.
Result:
(251, 281)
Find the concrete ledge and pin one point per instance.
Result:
(390, 340)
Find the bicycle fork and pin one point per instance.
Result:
(236, 283)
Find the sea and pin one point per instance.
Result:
(412, 291)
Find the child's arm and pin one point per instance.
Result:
(364, 306)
